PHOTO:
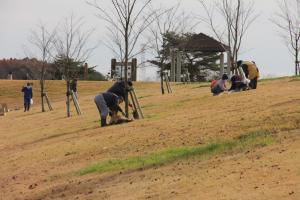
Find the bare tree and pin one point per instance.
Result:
(114, 42)
(167, 20)
(43, 40)
(236, 15)
(71, 48)
(288, 22)
(128, 19)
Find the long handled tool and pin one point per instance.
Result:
(167, 82)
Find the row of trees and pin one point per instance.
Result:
(66, 47)
(130, 20)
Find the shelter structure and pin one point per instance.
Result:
(198, 43)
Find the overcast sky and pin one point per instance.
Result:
(18, 17)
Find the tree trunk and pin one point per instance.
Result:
(162, 82)
(296, 68)
(42, 95)
(68, 99)
(42, 83)
(296, 58)
(126, 69)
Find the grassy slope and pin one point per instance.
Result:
(37, 146)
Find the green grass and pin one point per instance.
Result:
(242, 143)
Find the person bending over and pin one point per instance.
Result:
(119, 88)
(251, 72)
(107, 102)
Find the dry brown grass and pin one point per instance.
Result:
(35, 146)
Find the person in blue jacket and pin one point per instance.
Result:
(28, 94)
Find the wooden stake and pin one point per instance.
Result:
(76, 104)
(48, 102)
(138, 104)
(133, 102)
(168, 84)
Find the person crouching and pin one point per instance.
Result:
(238, 83)
(219, 86)
(107, 102)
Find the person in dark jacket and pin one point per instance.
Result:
(28, 94)
(237, 84)
(119, 88)
(107, 102)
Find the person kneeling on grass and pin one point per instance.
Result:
(238, 84)
(107, 102)
(219, 86)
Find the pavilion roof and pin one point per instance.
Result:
(204, 43)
